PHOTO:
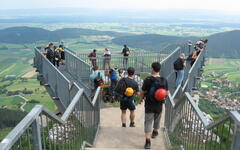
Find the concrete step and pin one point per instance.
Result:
(127, 138)
(113, 136)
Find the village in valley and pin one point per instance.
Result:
(220, 89)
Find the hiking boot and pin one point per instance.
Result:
(147, 144)
(154, 134)
(132, 124)
(124, 125)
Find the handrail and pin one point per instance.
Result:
(34, 115)
(15, 134)
(194, 107)
(175, 51)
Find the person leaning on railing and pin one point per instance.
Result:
(199, 46)
(61, 50)
(50, 52)
(57, 56)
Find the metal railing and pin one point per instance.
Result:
(188, 128)
(53, 78)
(42, 129)
(78, 69)
(186, 125)
(140, 60)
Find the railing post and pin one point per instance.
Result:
(236, 138)
(36, 135)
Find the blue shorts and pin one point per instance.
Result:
(127, 104)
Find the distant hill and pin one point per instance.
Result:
(23, 35)
(152, 42)
(225, 44)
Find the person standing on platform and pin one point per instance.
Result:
(125, 53)
(93, 57)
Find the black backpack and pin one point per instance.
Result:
(157, 83)
(126, 51)
(177, 64)
(98, 80)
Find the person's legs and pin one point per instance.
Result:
(132, 107)
(148, 122)
(123, 107)
(132, 118)
(156, 124)
(180, 76)
(109, 64)
(124, 62)
(104, 64)
(123, 118)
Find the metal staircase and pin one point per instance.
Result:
(185, 126)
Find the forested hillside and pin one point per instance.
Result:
(25, 35)
(224, 44)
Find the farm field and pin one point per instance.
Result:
(11, 102)
(231, 68)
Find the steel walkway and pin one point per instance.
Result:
(84, 125)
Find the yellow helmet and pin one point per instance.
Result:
(60, 49)
(127, 52)
(129, 91)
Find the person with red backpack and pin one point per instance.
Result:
(93, 57)
(155, 90)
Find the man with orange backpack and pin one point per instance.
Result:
(127, 87)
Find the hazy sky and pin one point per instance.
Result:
(226, 5)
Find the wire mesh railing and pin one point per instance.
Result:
(78, 69)
(42, 129)
(53, 78)
(188, 128)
